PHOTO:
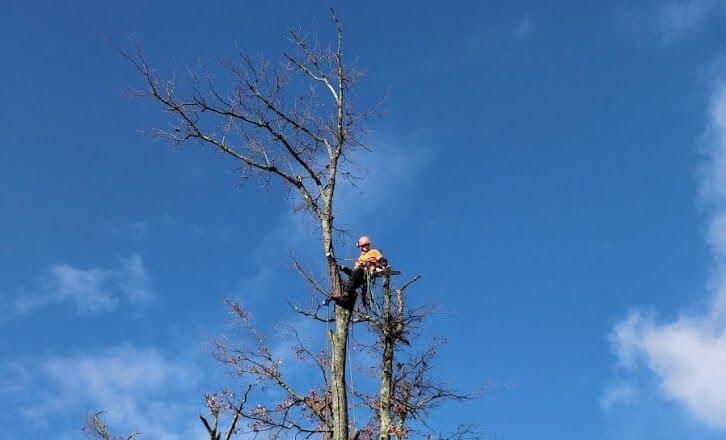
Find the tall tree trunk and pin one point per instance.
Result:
(386, 389)
(338, 340)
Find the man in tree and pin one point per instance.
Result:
(273, 129)
(370, 261)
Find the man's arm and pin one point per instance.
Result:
(371, 257)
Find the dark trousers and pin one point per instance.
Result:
(356, 279)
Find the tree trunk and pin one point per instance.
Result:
(384, 411)
(338, 341)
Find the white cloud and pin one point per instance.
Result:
(138, 388)
(688, 354)
(132, 279)
(92, 289)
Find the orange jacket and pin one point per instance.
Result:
(369, 258)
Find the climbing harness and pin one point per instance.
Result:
(369, 290)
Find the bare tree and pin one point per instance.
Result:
(293, 123)
(407, 390)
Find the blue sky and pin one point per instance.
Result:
(555, 172)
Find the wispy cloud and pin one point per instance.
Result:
(390, 173)
(523, 28)
(135, 230)
(671, 20)
(89, 289)
(687, 355)
(514, 30)
(676, 18)
(617, 393)
(138, 388)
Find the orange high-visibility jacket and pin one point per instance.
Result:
(369, 258)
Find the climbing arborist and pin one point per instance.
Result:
(369, 262)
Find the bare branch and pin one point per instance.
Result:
(255, 360)
(96, 428)
(316, 315)
(311, 280)
(188, 112)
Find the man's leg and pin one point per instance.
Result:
(356, 279)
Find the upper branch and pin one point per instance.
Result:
(189, 114)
